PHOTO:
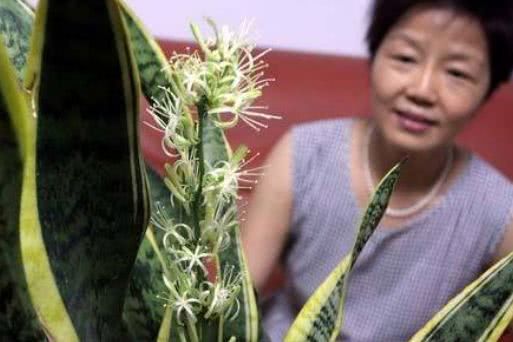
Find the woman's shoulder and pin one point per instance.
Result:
(321, 127)
(489, 193)
(486, 177)
(318, 147)
(321, 135)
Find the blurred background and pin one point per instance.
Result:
(318, 61)
(325, 26)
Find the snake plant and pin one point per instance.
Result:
(95, 245)
(82, 107)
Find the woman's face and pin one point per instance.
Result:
(428, 78)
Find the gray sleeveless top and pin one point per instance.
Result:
(403, 276)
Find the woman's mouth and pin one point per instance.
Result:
(413, 122)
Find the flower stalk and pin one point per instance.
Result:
(218, 83)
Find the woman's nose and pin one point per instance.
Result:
(422, 88)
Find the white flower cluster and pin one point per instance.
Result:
(225, 74)
(222, 81)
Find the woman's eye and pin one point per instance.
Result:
(404, 59)
(458, 74)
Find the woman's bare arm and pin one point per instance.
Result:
(267, 223)
(506, 245)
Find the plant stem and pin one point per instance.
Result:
(197, 212)
(181, 334)
(221, 330)
(191, 330)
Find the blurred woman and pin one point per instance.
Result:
(433, 64)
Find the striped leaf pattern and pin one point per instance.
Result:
(150, 59)
(320, 319)
(84, 216)
(481, 312)
(143, 312)
(16, 19)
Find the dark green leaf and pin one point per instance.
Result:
(481, 312)
(91, 189)
(144, 311)
(149, 57)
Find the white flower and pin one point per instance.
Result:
(182, 179)
(184, 304)
(217, 230)
(174, 233)
(183, 298)
(229, 77)
(227, 177)
(192, 258)
(189, 77)
(173, 120)
(223, 295)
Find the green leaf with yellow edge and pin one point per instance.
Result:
(321, 317)
(150, 59)
(84, 216)
(18, 319)
(481, 312)
(144, 313)
(148, 318)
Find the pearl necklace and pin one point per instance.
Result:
(420, 204)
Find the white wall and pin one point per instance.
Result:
(327, 26)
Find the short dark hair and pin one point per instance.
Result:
(495, 17)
